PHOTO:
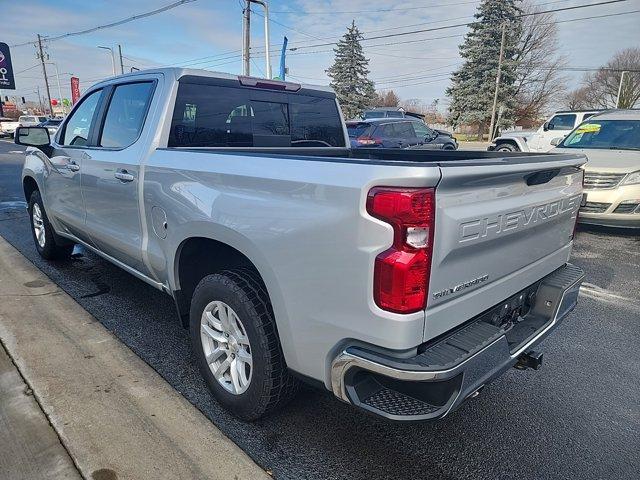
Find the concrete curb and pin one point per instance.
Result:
(117, 418)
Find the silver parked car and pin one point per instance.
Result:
(611, 142)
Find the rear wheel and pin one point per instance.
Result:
(236, 344)
(506, 147)
(48, 245)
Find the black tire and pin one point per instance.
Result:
(53, 247)
(448, 146)
(271, 384)
(506, 147)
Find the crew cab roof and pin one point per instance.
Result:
(176, 73)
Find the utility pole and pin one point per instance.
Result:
(39, 98)
(121, 64)
(495, 95)
(44, 72)
(620, 89)
(246, 38)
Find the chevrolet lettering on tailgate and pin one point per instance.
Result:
(520, 219)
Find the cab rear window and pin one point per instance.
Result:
(220, 116)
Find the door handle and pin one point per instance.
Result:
(123, 175)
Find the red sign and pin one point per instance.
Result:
(75, 89)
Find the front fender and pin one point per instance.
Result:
(35, 167)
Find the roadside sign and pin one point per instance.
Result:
(75, 89)
(7, 81)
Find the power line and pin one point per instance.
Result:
(112, 24)
(446, 27)
(377, 10)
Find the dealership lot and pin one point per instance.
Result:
(577, 417)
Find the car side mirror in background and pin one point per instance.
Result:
(556, 141)
(545, 126)
(32, 136)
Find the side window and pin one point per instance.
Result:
(422, 131)
(404, 130)
(562, 122)
(125, 115)
(76, 130)
(386, 130)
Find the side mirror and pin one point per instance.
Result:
(32, 136)
(545, 126)
(556, 141)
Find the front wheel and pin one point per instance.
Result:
(48, 245)
(236, 344)
(505, 147)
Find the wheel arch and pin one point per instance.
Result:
(516, 142)
(29, 185)
(198, 256)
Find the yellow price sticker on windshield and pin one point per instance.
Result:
(589, 128)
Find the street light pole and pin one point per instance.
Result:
(246, 38)
(113, 59)
(267, 53)
(620, 89)
(55, 65)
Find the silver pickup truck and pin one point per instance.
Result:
(402, 281)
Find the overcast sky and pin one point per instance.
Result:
(207, 34)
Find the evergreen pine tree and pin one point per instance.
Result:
(473, 84)
(349, 74)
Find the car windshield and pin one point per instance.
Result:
(605, 134)
(357, 130)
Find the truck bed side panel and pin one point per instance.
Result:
(304, 225)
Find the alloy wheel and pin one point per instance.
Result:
(38, 225)
(226, 347)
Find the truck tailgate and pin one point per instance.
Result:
(500, 226)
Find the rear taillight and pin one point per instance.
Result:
(368, 141)
(401, 273)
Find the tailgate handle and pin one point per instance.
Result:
(538, 178)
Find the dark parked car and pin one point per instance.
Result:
(398, 133)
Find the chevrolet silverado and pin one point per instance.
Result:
(403, 281)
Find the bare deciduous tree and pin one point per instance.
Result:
(387, 98)
(602, 86)
(578, 99)
(539, 81)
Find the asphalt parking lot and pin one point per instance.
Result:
(578, 417)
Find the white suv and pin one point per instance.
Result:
(545, 138)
